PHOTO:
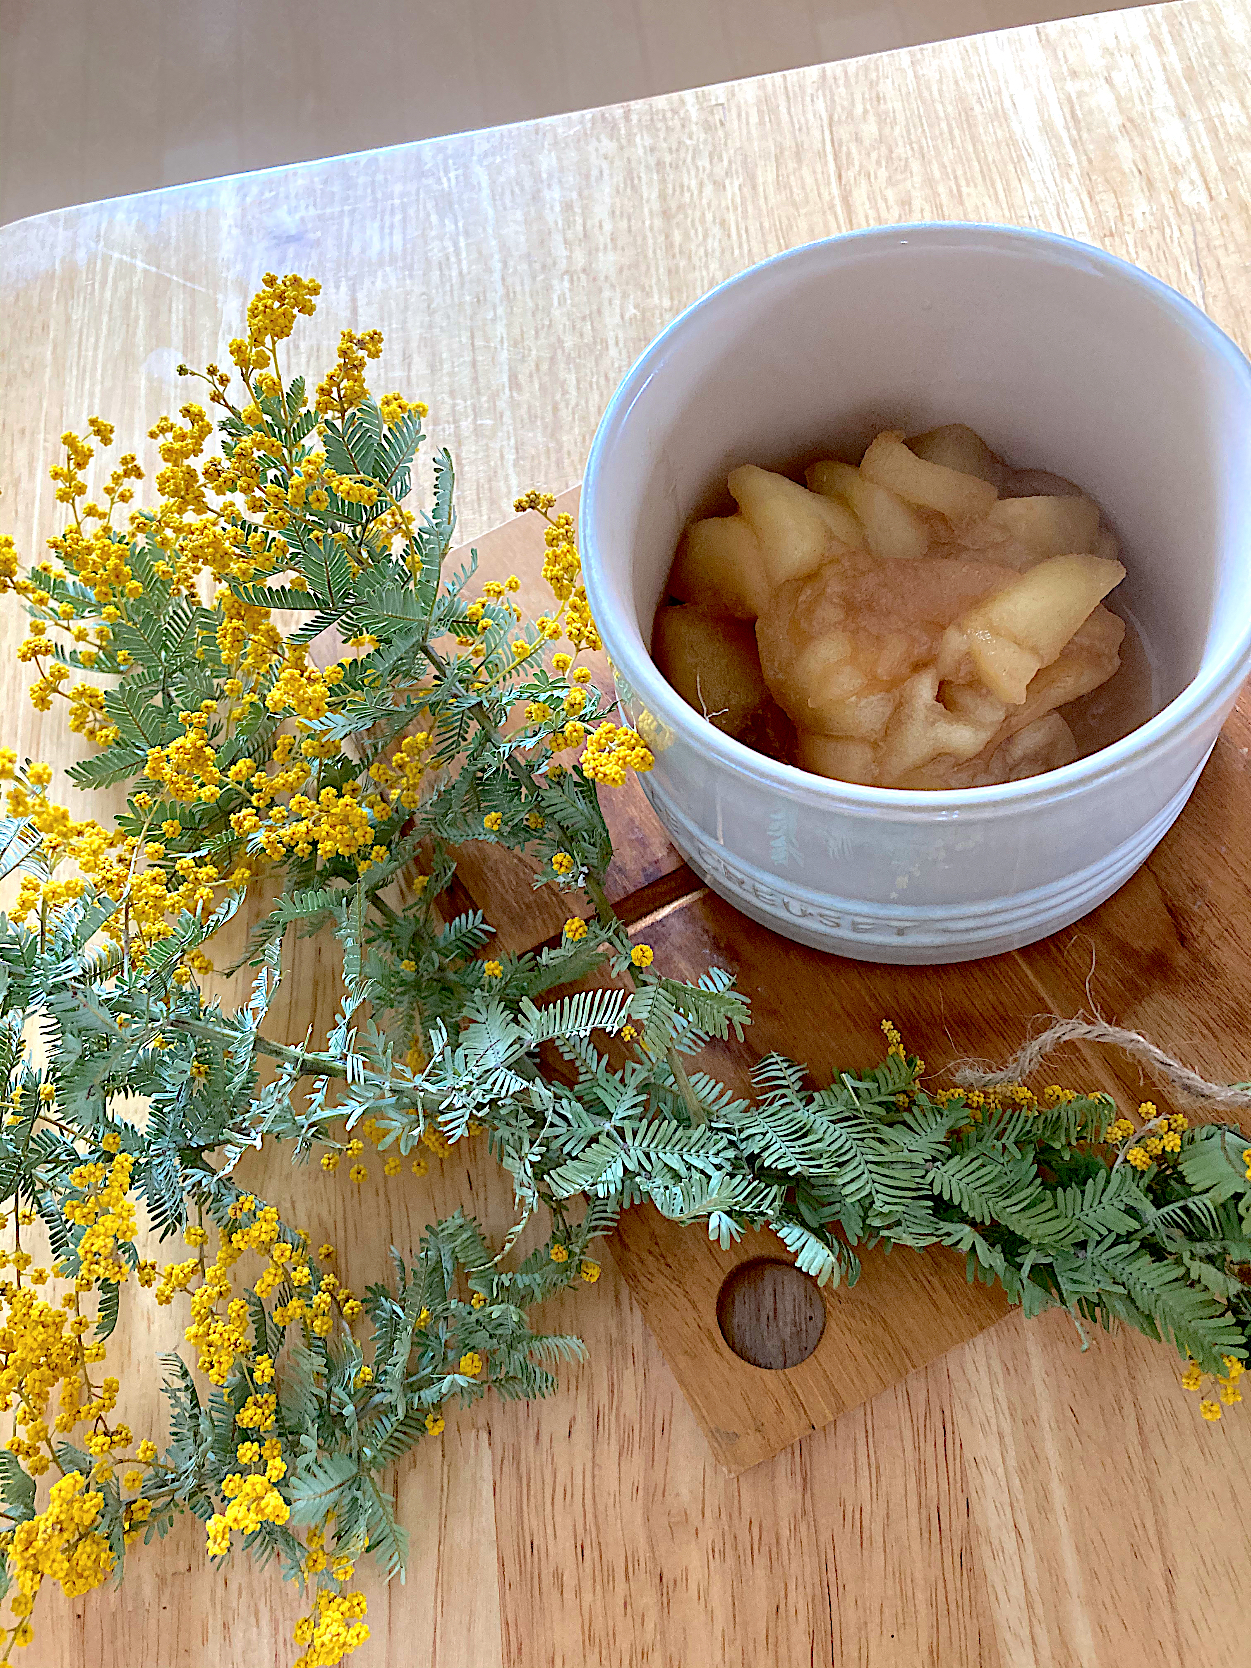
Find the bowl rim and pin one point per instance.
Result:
(1204, 693)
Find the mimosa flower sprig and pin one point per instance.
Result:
(279, 670)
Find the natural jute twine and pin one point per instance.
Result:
(973, 1075)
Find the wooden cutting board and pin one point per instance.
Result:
(1169, 954)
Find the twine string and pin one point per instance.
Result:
(975, 1075)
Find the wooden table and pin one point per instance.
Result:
(1017, 1504)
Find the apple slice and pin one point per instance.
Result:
(845, 761)
(1044, 745)
(892, 529)
(1086, 662)
(833, 479)
(1049, 526)
(889, 463)
(711, 661)
(798, 530)
(719, 564)
(956, 446)
(1014, 633)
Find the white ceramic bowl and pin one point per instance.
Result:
(1065, 358)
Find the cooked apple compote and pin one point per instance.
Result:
(928, 619)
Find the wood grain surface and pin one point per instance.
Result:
(903, 1313)
(1016, 1502)
(155, 92)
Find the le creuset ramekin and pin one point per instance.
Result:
(1064, 358)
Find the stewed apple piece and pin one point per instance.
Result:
(892, 529)
(720, 565)
(837, 646)
(1049, 526)
(931, 486)
(797, 530)
(1010, 636)
(711, 661)
(923, 729)
(1086, 661)
(956, 446)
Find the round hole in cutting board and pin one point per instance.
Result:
(770, 1314)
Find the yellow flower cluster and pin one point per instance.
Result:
(98, 555)
(9, 563)
(353, 489)
(543, 502)
(403, 773)
(579, 626)
(41, 1349)
(1055, 1095)
(49, 682)
(315, 1558)
(395, 406)
(301, 688)
(149, 900)
(86, 714)
(894, 1039)
(333, 1630)
(562, 572)
(187, 768)
(220, 1338)
(272, 313)
(1225, 1384)
(219, 1320)
(60, 1544)
(334, 822)
(248, 641)
(562, 565)
(1159, 1138)
(107, 1215)
(343, 386)
(258, 1412)
(589, 1270)
(253, 1500)
(190, 536)
(179, 483)
(611, 751)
